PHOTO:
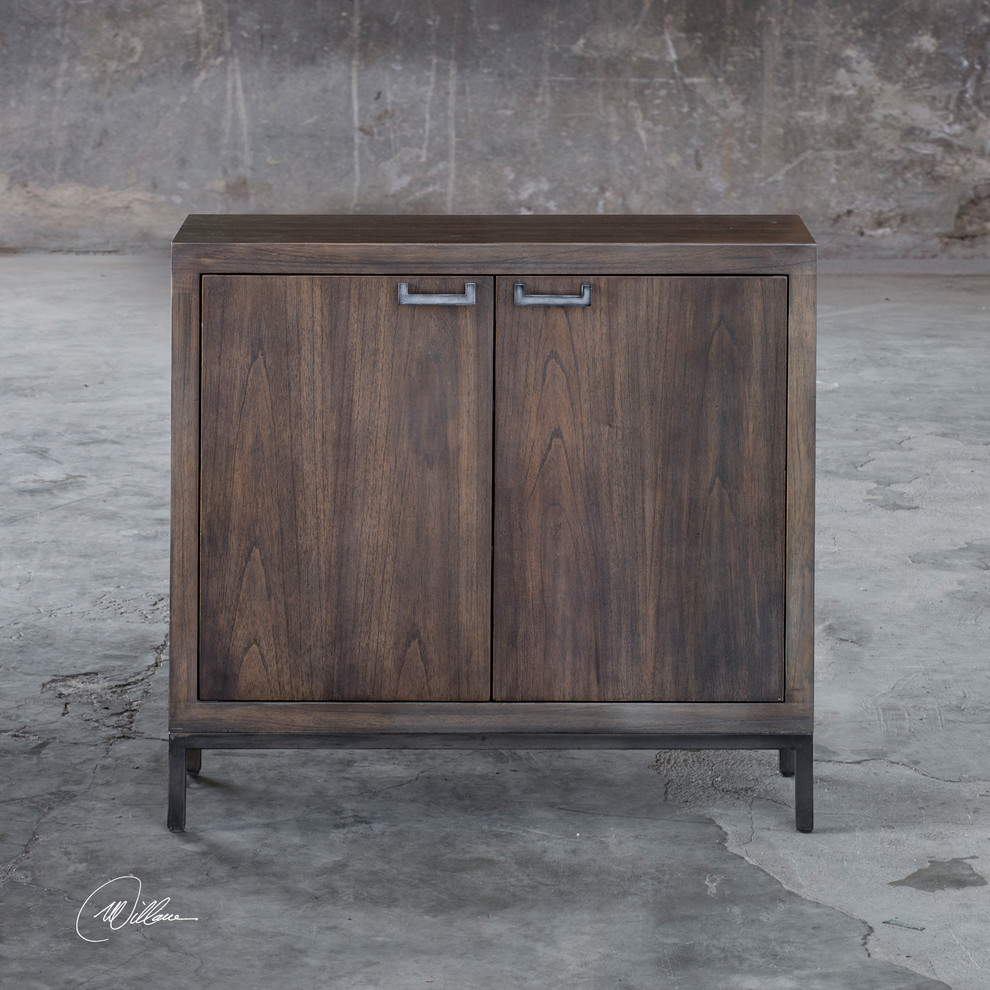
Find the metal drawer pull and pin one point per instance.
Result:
(520, 298)
(436, 298)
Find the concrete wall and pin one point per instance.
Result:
(871, 119)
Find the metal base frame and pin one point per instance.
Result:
(185, 753)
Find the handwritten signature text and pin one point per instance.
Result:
(116, 904)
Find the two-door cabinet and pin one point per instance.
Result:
(508, 482)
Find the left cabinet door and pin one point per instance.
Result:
(345, 500)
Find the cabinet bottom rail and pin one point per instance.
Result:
(185, 753)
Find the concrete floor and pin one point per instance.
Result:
(421, 869)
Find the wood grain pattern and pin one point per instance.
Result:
(489, 740)
(640, 483)
(489, 229)
(269, 245)
(517, 717)
(800, 549)
(339, 456)
(490, 245)
(184, 509)
(491, 259)
(345, 519)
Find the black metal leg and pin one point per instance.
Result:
(177, 784)
(804, 787)
(787, 762)
(185, 755)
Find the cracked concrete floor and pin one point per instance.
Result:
(474, 870)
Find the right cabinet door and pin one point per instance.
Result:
(640, 490)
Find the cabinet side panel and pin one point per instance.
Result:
(345, 549)
(184, 537)
(801, 491)
(640, 484)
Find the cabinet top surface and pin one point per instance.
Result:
(529, 229)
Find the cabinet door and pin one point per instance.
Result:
(640, 491)
(346, 490)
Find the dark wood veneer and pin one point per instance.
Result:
(336, 477)
(345, 519)
(480, 230)
(639, 509)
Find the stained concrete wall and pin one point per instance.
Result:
(872, 120)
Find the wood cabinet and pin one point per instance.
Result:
(492, 481)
